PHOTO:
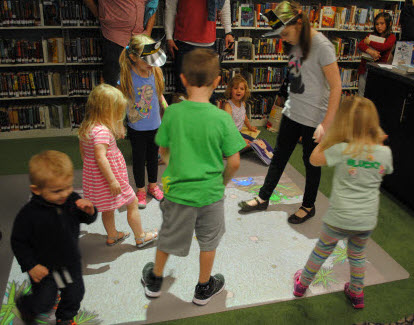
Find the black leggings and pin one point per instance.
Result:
(289, 134)
(144, 151)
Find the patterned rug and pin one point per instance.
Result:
(258, 256)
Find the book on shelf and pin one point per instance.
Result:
(247, 15)
(20, 51)
(269, 49)
(327, 17)
(50, 13)
(349, 77)
(244, 48)
(19, 13)
(54, 50)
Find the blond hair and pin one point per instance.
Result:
(355, 123)
(200, 67)
(236, 80)
(49, 165)
(106, 105)
(135, 48)
(287, 10)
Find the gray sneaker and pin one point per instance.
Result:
(152, 284)
(203, 294)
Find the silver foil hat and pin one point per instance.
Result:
(152, 53)
(275, 22)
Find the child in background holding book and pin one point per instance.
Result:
(354, 145)
(378, 51)
(237, 93)
(105, 176)
(142, 82)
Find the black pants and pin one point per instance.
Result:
(43, 297)
(289, 134)
(144, 151)
(183, 48)
(110, 55)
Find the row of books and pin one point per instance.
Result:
(54, 50)
(267, 77)
(349, 77)
(45, 83)
(257, 106)
(45, 13)
(32, 117)
(349, 17)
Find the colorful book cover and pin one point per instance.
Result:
(247, 15)
(328, 16)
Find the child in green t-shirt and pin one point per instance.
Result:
(193, 137)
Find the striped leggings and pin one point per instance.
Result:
(330, 236)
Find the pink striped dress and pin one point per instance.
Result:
(95, 186)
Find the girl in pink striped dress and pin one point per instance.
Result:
(105, 176)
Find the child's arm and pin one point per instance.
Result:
(81, 149)
(362, 46)
(86, 212)
(381, 47)
(228, 109)
(249, 126)
(165, 154)
(317, 157)
(22, 248)
(233, 164)
(105, 168)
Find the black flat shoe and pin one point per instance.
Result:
(296, 220)
(258, 207)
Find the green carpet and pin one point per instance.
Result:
(394, 233)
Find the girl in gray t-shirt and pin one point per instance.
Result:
(354, 146)
(314, 95)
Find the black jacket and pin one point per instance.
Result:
(48, 234)
(407, 23)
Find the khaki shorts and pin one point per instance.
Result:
(180, 221)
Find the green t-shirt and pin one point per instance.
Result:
(355, 190)
(197, 135)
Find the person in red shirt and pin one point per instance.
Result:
(119, 21)
(380, 52)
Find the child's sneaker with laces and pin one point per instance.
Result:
(357, 301)
(156, 193)
(152, 284)
(142, 199)
(298, 288)
(203, 293)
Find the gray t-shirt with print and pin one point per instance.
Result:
(355, 189)
(308, 88)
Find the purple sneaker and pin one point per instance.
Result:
(357, 301)
(298, 288)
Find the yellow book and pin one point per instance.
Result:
(246, 131)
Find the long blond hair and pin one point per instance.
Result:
(106, 105)
(136, 45)
(355, 123)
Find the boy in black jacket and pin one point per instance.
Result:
(45, 239)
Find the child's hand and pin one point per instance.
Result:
(253, 128)
(367, 40)
(38, 273)
(115, 188)
(384, 137)
(247, 142)
(374, 54)
(319, 133)
(86, 206)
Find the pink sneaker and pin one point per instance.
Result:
(156, 193)
(357, 301)
(142, 199)
(298, 288)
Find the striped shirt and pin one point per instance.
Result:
(95, 186)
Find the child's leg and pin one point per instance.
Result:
(40, 300)
(152, 159)
(356, 256)
(138, 145)
(108, 219)
(206, 265)
(71, 297)
(323, 249)
(160, 260)
(134, 221)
